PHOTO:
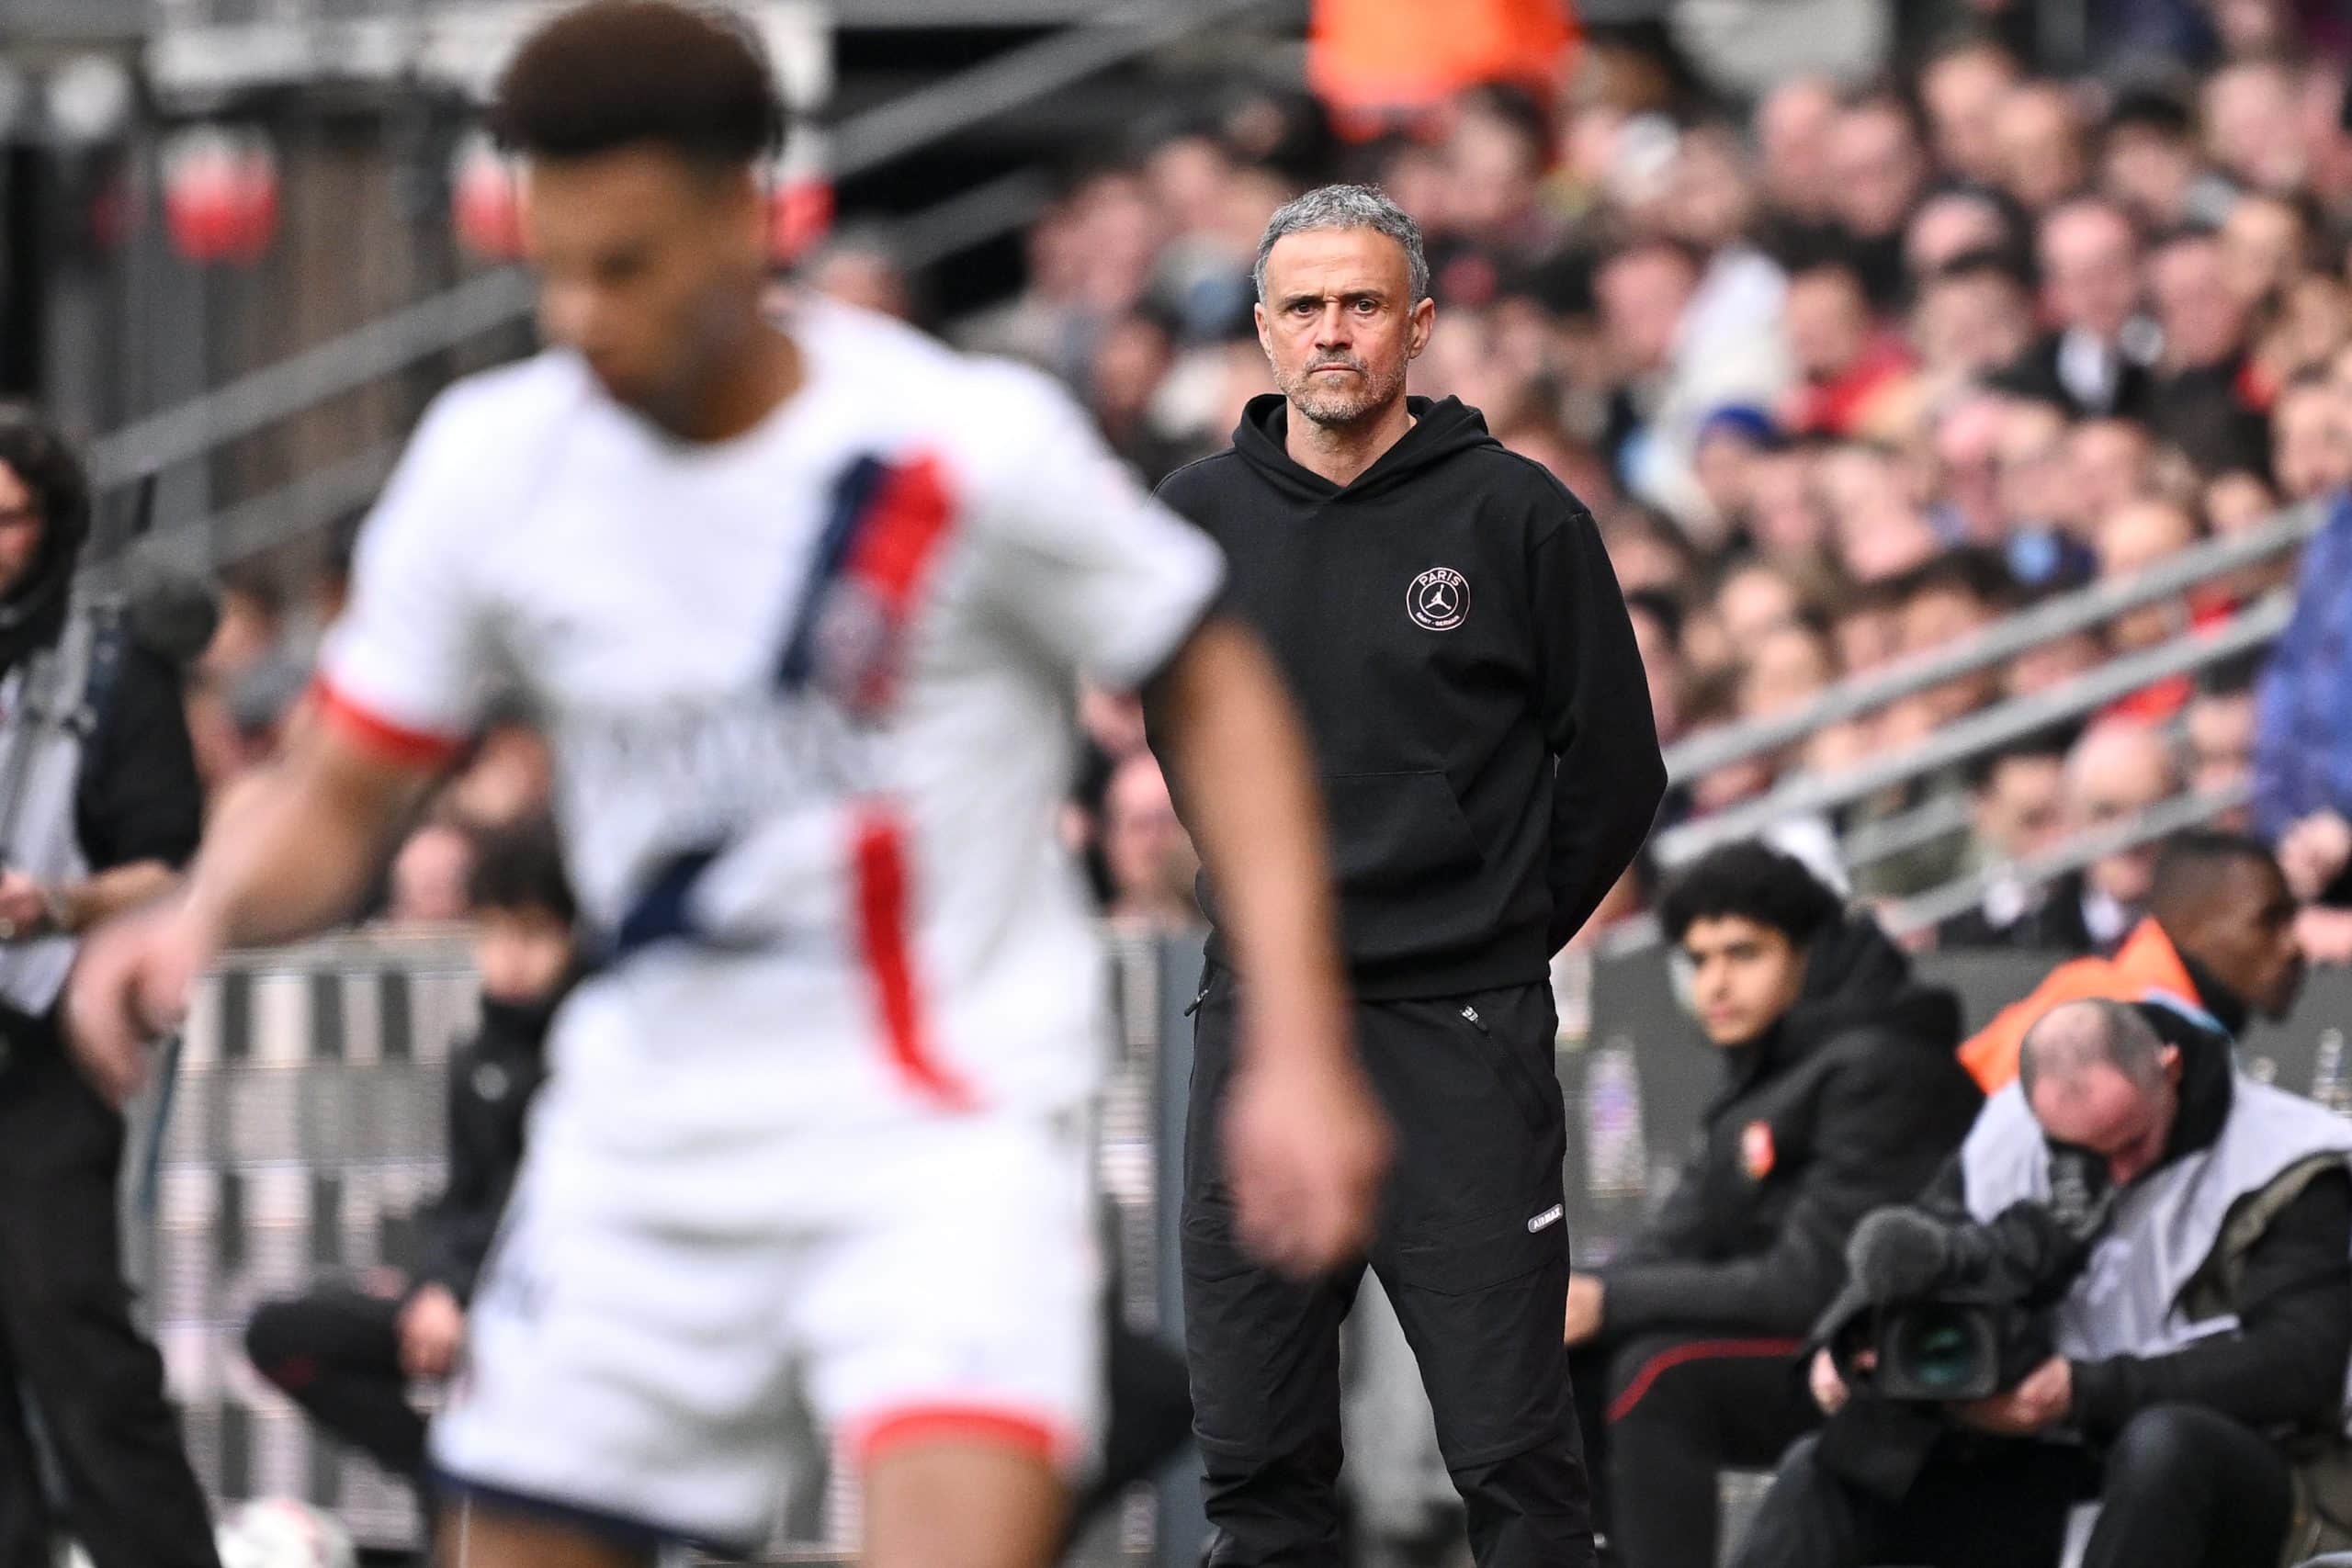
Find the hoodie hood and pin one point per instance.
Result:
(1854, 978)
(1442, 429)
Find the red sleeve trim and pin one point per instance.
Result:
(908, 1426)
(393, 741)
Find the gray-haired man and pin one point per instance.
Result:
(1452, 629)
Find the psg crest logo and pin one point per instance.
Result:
(1439, 599)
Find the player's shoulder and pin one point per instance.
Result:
(493, 410)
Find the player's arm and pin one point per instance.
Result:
(1118, 589)
(292, 854)
(1237, 759)
(401, 679)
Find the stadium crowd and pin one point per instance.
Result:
(1849, 365)
(1845, 366)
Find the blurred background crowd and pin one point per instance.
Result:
(1855, 336)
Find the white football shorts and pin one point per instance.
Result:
(644, 1320)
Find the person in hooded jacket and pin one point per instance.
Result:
(1445, 614)
(347, 1356)
(1840, 1093)
(99, 805)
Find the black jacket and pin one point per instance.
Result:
(2035, 375)
(492, 1080)
(1852, 1100)
(1452, 630)
(2054, 925)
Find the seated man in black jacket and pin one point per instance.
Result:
(2200, 1344)
(1840, 1094)
(347, 1356)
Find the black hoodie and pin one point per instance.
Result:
(1452, 630)
(492, 1081)
(1851, 1100)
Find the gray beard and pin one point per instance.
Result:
(1338, 410)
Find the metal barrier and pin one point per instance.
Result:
(2093, 605)
(306, 1121)
(496, 299)
(1982, 731)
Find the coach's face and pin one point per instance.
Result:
(649, 267)
(1339, 323)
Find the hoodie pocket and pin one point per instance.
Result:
(1397, 833)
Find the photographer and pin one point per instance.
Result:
(1840, 1093)
(98, 805)
(347, 1356)
(2198, 1389)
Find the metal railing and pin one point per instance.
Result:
(1929, 909)
(1808, 794)
(2046, 622)
(496, 299)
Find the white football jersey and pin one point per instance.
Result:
(810, 695)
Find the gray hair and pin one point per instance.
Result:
(1346, 206)
(2074, 1036)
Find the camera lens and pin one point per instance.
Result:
(1940, 1350)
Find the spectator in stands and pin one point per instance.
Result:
(2310, 439)
(347, 1355)
(2015, 809)
(1796, 126)
(2200, 1347)
(2131, 539)
(1952, 226)
(2094, 359)
(1150, 860)
(1974, 318)
(2117, 771)
(2218, 727)
(1963, 85)
(429, 876)
(2148, 162)
(2044, 153)
(1840, 1093)
(2031, 452)
(1878, 172)
(2200, 403)
(1658, 631)
(1848, 369)
(2220, 934)
(859, 267)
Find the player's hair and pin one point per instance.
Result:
(518, 869)
(1752, 881)
(1346, 206)
(680, 75)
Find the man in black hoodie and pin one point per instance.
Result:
(1840, 1093)
(347, 1356)
(1445, 614)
